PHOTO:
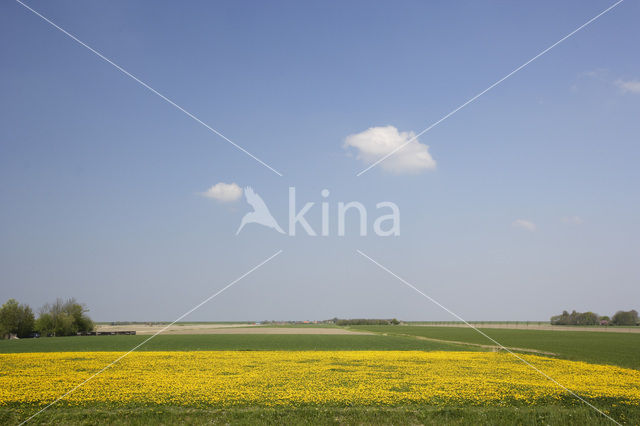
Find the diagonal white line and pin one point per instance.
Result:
(145, 85)
(488, 337)
(490, 87)
(158, 332)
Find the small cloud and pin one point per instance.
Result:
(631, 86)
(224, 192)
(376, 142)
(573, 220)
(524, 224)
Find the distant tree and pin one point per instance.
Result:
(587, 318)
(81, 321)
(46, 323)
(16, 319)
(562, 319)
(625, 318)
(367, 321)
(63, 318)
(575, 318)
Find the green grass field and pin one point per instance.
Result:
(432, 416)
(604, 348)
(240, 342)
(622, 349)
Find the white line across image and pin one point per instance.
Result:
(415, 137)
(154, 335)
(408, 284)
(146, 86)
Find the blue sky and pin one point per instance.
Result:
(101, 181)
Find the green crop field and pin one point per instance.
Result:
(602, 348)
(239, 342)
(621, 349)
(327, 415)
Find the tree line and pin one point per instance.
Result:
(61, 318)
(628, 318)
(366, 321)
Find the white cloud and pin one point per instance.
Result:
(224, 192)
(632, 86)
(524, 224)
(573, 220)
(376, 142)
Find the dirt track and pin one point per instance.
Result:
(260, 329)
(226, 329)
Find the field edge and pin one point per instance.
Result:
(425, 415)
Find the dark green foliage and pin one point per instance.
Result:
(576, 318)
(63, 318)
(16, 319)
(625, 318)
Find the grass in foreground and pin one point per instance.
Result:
(426, 415)
(622, 349)
(232, 342)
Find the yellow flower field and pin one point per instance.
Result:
(226, 378)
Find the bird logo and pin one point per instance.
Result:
(260, 213)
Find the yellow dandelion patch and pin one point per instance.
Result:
(275, 378)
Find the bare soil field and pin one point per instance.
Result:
(226, 329)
